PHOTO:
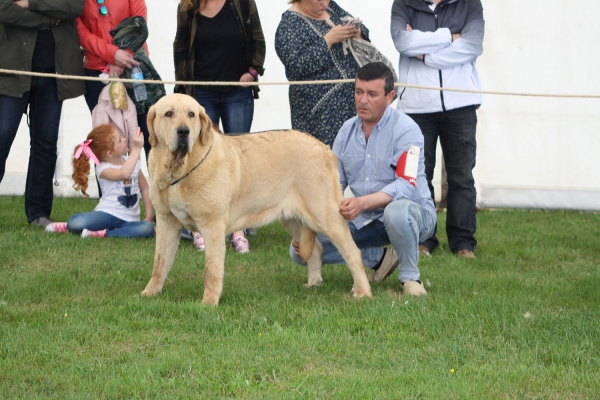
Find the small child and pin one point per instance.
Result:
(122, 182)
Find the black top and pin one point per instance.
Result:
(219, 50)
(43, 52)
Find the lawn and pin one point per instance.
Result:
(522, 321)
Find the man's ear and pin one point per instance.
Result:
(150, 121)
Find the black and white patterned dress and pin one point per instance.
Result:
(317, 109)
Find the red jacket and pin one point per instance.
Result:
(94, 29)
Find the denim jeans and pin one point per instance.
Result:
(93, 89)
(235, 108)
(404, 225)
(44, 120)
(456, 130)
(115, 227)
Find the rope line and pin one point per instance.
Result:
(323, 82)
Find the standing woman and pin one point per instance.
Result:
(309, 44)
(221, 40)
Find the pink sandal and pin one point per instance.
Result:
(241, 245)
(199, 242)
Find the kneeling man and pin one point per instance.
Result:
(380, 157)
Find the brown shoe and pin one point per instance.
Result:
(464, 253)
(388, 265)
(424, 251)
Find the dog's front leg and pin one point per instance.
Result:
(215, 266)
(168, 230)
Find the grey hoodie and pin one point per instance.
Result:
(446, 63)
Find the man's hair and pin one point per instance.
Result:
(377, 70)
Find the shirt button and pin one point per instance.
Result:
(367, 178)
(368, 156)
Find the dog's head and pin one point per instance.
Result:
(177, 122)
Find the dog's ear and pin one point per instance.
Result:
(150, 121)
(205, 126)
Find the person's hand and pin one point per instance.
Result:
(455, 36)
(351, 208)
(138, 139)
(296, 247)
(125, 60)
(340, 33)
(247, 77)
(410, 29)
(22, 3)
(114, 71)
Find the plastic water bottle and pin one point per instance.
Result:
(139, 89)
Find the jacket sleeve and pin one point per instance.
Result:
(94, 44)
(58, 9)
(180, 46)
(465, 49)
(138, 8)
(343, 13)
(415, 43)
(258, 47)
(13, 15)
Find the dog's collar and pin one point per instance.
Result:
(192, 170)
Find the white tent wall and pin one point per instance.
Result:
(533, 152)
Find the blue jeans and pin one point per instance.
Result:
(456, 130)
(44, 119)
(404, 225)
(235, 108)
(115, 227)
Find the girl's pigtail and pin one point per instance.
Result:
(81, 170)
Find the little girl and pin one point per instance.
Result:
(122, 182)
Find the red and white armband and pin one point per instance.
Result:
(408, 165)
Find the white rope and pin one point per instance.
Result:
(323, 82)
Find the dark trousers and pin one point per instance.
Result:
(456, 130)
(44, 119)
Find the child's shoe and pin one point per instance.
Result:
(95, 234)
(199, 242)
(58, 227)
(241, 245)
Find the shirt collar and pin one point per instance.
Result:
(382, 122)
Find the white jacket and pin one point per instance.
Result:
(446, 63)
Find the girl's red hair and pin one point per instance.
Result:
(103, 141)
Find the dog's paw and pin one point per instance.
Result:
(314, 281)
(151, 290)
(361, 293)
(210, 300)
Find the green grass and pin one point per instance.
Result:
(522, 321)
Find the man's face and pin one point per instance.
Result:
(371, 100)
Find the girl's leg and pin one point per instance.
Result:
(134, 229)
(93, 221)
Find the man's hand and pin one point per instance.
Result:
(351, 208)
(125, 60)
(22, 3)
(455, 36)
(410, 29)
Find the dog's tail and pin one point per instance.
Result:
(307, 242)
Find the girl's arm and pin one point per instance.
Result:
(123, 173)
(145, 191)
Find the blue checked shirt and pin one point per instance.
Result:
(366, 166)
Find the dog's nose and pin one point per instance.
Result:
(183, 131)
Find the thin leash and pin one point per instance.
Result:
(192, 170)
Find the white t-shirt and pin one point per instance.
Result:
(120, 198)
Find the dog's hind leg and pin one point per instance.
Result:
(311, 250)
(214, 240)
(168, 230)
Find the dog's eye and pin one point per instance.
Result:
(191, 114)
(169, 114)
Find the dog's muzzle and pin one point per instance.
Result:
(183, 132)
